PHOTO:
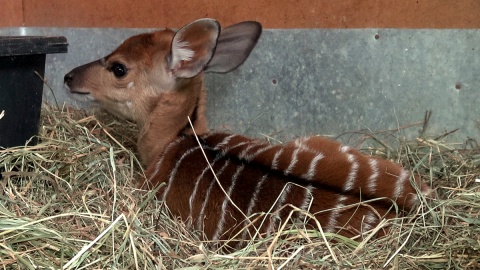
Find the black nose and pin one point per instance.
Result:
(68, 78)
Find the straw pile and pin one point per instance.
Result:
(71, 203)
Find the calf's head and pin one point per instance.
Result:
(131, 80)
(156, 79)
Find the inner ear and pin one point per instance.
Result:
(193, 47)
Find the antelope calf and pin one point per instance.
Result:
(157, 80)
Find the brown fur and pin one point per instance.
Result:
(314, 174)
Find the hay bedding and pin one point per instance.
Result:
(71, 202)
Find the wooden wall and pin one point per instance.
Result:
(272, 13)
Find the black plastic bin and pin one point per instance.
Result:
(21, 88)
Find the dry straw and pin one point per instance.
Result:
(71, 202)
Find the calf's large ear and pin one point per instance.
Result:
(193, 47)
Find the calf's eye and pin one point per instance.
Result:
(119, 70)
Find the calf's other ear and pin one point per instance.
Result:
(234, 46)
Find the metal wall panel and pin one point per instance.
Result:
(322, 81)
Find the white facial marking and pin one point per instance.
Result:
(130, 85)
